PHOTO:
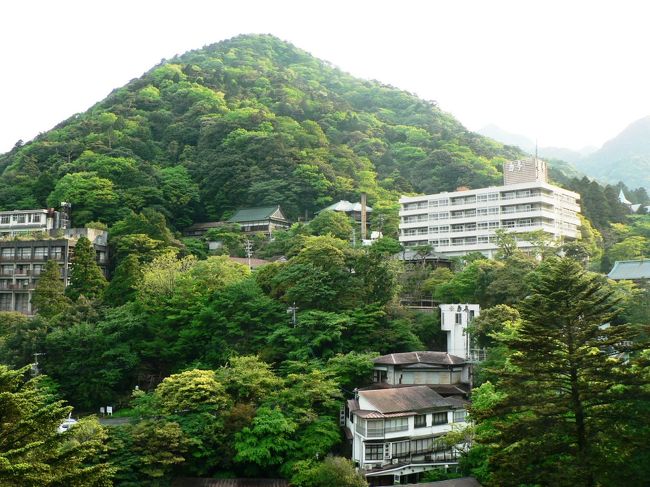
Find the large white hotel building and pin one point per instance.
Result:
(465, 220)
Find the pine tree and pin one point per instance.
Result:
(85, 275)
(49, 296)
(565, 385)
(32, 452)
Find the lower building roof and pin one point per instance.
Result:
(632, 270)
(407, 399)
(425, 357)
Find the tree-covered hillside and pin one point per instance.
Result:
(248, 121)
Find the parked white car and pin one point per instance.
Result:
(68, 423)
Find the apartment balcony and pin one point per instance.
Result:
(414, 211)
(417, 224)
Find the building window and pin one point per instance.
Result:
(5, 302)
(420, 420)
(439, 418)
(421, 446)
(397, 424)
(375, 452)
(40, 253)
(401, 448)
(380, 376)
(375, 428)
(24, 253)
(459, 416)
(7, 253)
(5, 220)
(459, 318)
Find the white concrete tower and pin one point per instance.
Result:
(454, 319)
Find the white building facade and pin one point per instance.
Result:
(397, 433)
(454, 319)
(466, 220)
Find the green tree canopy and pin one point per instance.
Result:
(86, 278)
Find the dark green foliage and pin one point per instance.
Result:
(86, 278)
(49, 297)
(122, 287)
(332, 223)
(560, 419)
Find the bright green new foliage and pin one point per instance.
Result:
(32, 452)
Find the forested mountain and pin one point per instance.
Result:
(248, 121)
(625, 158)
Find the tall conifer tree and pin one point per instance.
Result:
(49, 296)
(568, 379)
(85, 275)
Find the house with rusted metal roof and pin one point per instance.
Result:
(397, 433)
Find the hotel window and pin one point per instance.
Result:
(421, 446)
(397, 424)
(375, 452)
(7, 253)
(20, 218)
(460, 415)
(459, 318)
(24, 253)
(481, 197)
(493, 196)
(5, 219)
(375, 428)
(40, 253)
(439, 418)
(401, 448)
(420, 421)
(36, 218)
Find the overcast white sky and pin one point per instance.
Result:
(569, 73)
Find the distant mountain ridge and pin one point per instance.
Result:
(625, 158)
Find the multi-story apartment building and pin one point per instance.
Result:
(396, 433)
(465, 220)
(22, 261)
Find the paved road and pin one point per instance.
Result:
(113, 421)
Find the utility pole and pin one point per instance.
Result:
(248, 246)
(292, 310)
(35, 370)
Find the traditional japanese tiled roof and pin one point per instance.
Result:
(256, 214)
(346, 206)
(413, 358)
(403, 400)
(630, 269)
